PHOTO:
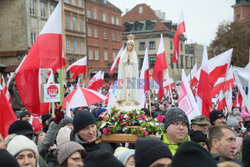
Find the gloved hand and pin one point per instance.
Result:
(59, 115)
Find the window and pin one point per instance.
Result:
(171, 44)
(142, 46)
(33, 38)
(113, 36)
(95, 14)
(112, 20)
(118, 36)
(140, 9)
(104, 34)
(171, 60)
(152, 45)
(74, 23)
(52, 7)
(75, 46)
(89, 13)
(73, 2)
(138, 27)
(89, 32)
(117, 21)
(181, 61)
(43, 10)
(186, 62)
(114, 55)
(81, 24)
(68, 43)
(96, 33)
(104, 18)
(149, 26)
(67, 21)
(80, 3)
(96, 54)
(105, 55)
(90, 54)
(82, 49)
(181, 46)
(32, 7)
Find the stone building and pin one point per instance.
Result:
(242, 11)
(143, 22)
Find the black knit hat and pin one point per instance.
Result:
(197, 136)
(175, 114)
(82, 119)
(23, 114)
(7, 159)
(101, 158)
(21, 128)
(148, 150)
(214, 115)
(45, 117)
(191, 154)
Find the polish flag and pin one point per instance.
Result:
(35, 123)
(180, 30)
(186, 99)
(7, 115)
(203, 94)
(9, 77)
(218, 66)
(229, 99)
(160, 65)
(45, 53)
(168, 83)
(191, 75)
(221, 101)
(79, 67)
(144, 77)
(97, 81)
(51, 77)
(117, 60)
(223, 83)
(238, 101)
(63, 59)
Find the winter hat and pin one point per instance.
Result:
(63, 136)
(67, 149)
(148, 150)
(18, 113)
(21, 128)
(45, 117)
(82, 119)
(124, 155)
(232, 121)
(65, 121)
(20, 143)
(101, 158)
(244, 114)
(7, 159)
(191, 154)
(23, 114)
(175, 114)
(214, 115)
(99, 111)
(197, 136)
(236, 111)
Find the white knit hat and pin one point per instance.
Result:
(63, 136)
(20, 143)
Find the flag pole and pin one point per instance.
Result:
(149, 102)
(170, 89)
(61, 92)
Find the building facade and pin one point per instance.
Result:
(147, 27)
(104, 35)
(195, 51)
(242, 11)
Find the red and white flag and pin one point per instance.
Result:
(79, 67)
(223, 83)
(238, 101)
(217, 66)
(97, 81)
(46, 52)
(229, 99)
(221, 101)
(3, 81)
(117, 60)
(180, 30)
(63, 59)
(9, 77)
(51, 77)
(7, 115)
(186, 99)
(168, 83)
(35, 123)
(204, 100)
(144, 78)
(160, 65)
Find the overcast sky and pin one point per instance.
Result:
(202, 17)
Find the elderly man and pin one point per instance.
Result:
(200, 123)
(217, 118)
(85, 132)
(222, 141)
(176, 128)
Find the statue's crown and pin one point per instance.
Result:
(131, 37)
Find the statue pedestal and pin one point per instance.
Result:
(128, 108)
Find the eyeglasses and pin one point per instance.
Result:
(177, 124)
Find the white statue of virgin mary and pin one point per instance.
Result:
(128, 75)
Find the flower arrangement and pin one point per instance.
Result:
(130, 122)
